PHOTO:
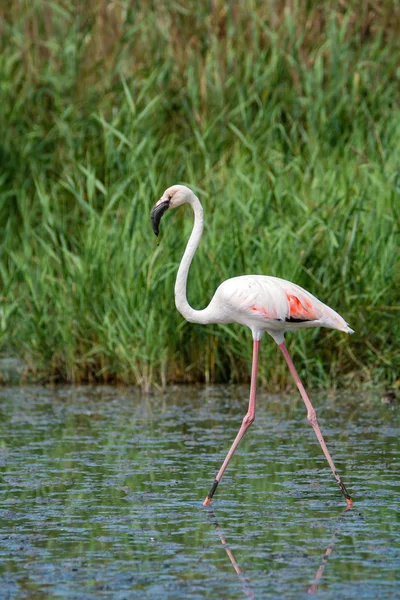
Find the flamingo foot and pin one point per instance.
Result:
(207, 501)
(349, 503)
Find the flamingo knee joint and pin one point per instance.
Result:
(248, 420)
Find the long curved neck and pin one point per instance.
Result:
(190, 314)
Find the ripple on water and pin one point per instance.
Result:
(101, 495)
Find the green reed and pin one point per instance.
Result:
(283, 119)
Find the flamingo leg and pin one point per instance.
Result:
(247, 421)
(312, 417)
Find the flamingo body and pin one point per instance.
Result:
(272, 305)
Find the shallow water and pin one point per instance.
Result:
(101, 496)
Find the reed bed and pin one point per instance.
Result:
(282, 116)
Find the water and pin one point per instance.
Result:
(101, 496)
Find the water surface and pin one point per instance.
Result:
(101, 496)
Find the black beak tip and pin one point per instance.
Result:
(156, 214)
(155, 224)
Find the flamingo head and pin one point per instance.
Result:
(173, 197)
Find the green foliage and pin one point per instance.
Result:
(284, 122)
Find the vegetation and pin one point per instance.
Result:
(284, 119)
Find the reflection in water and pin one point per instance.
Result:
(318, 575)
(246, 585)
(320, 571)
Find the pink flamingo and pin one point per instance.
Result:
(264, 304)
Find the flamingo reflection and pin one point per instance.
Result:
(246, 585)
(320, 571)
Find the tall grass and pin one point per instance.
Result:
(284, 120)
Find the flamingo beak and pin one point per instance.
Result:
(156, 213)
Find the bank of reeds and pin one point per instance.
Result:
(284, 118)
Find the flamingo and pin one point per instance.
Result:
(264, 304)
